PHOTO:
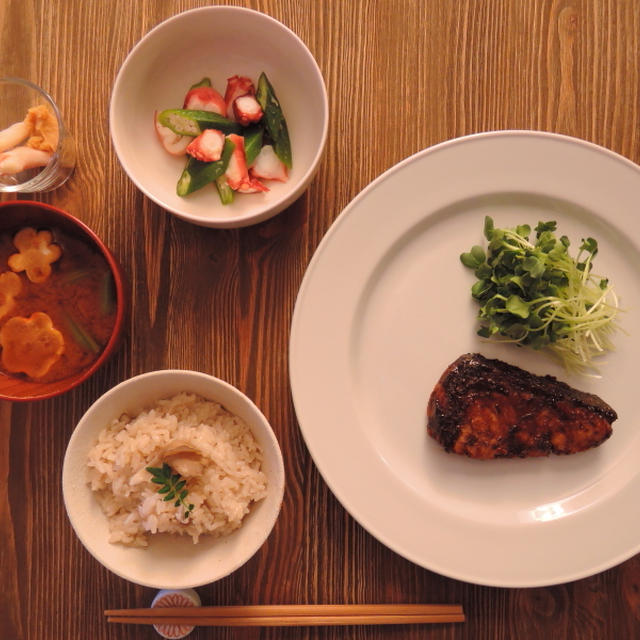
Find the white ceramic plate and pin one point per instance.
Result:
(385, 306)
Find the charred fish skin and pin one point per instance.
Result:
(485, 408)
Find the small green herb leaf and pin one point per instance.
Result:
(172, 486)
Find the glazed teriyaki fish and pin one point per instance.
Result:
(486, 409)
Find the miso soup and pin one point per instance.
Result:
(78, 295)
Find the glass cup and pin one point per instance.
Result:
(33, 157)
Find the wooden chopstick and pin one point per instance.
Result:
(290, 615)
(291, 609)
(293, 621)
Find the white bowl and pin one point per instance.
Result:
(169, 562)
(217, 42)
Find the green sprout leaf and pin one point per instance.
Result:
(468, 260)
(534, 266)
(474, 258)
(481, 288)
(488, 227)
(517, 306)
(590, 245)
(541, 227)
(478, 254)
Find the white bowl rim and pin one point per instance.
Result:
(278, 487)
(286, 199)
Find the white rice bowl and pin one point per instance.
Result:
(222, 481)
(118, 514)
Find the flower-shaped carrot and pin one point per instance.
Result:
(37, 253)
(10, 286)
(30, 345)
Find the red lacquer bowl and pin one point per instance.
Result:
(23, 213)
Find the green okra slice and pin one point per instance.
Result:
(192, 122)
(274, 120)
(205, 82)
(197, 174)
(224, 190)
(252, 142)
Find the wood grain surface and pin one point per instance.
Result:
(401, 75)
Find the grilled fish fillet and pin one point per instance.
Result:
(486, 409)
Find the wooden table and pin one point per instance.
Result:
(401, 75)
